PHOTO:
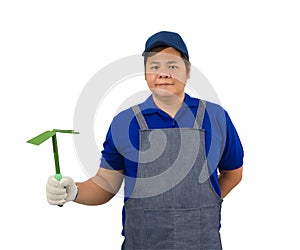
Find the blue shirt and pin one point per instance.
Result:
(223, 147)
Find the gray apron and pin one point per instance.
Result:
(173, 205)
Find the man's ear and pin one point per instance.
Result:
(188, 74)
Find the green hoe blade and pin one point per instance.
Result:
(48, 134)
(66, 131)
(42, 137)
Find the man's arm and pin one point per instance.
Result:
(228, 179)
(100, 188)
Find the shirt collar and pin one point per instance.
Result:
(149, 107)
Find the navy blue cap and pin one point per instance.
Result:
(166, 38)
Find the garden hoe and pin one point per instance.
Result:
(45, 136)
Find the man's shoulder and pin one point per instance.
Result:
(127, 114)
(146, 106)
(124, 115)
(216, 113)
(214, 108)
(210, 106)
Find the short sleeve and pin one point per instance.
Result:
(233, 153)
(111, 158)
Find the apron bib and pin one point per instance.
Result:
(173, 205)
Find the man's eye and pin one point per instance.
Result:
(154, 67)
(173, 67)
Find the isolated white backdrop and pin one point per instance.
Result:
(49, 50)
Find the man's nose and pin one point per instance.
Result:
(165, 75)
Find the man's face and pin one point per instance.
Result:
(166, 73)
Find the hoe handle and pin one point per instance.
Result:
(58, 175)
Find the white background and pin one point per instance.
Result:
(249, 51)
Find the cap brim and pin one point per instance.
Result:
(161, 43)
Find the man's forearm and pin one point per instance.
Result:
(100, 188)
(91, 193)
(229, 179)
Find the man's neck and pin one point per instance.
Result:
(170, 104)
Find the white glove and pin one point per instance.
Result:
(60, 192)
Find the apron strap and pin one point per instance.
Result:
(200, 114)
(140, 118)
(198, 120)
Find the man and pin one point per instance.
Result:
(179, 156)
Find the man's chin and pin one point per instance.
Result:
(162, 93)
(165, 94)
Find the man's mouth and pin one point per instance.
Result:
(163, 84)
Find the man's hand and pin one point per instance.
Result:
(60, 192)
